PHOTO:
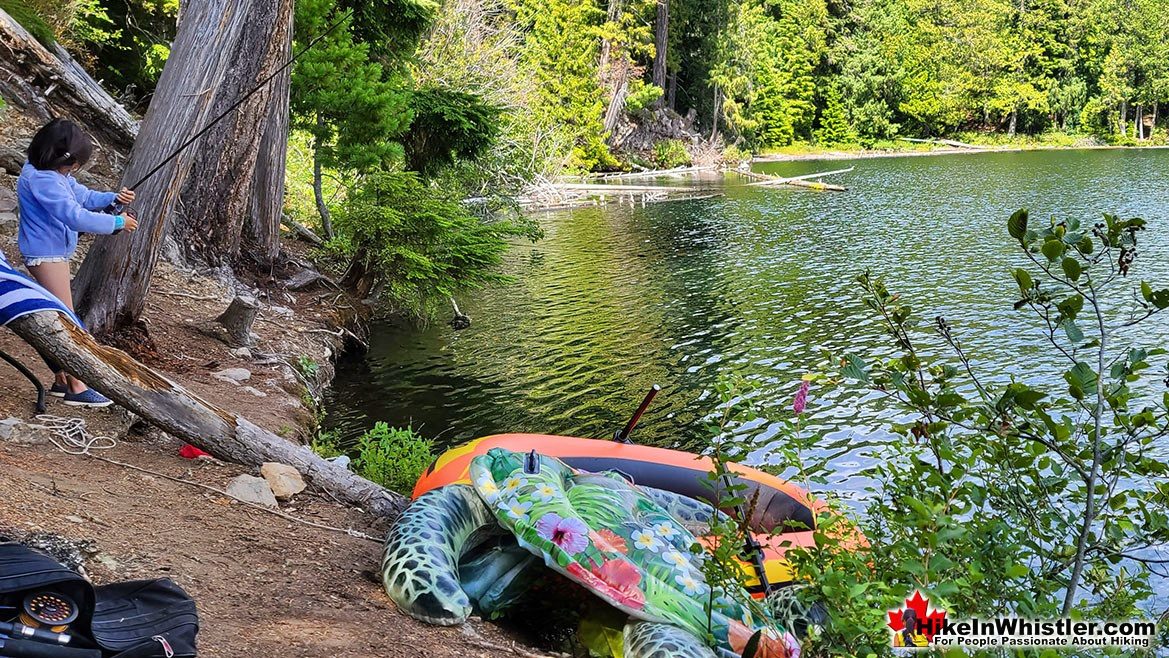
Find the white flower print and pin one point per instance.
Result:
(645, 539)
(690, 584)
(518, 510)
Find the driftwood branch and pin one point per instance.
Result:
(185, 415)
(798, 181)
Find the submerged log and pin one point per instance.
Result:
(799, 181)
(794, 180)
(185, 415)
(48, 82)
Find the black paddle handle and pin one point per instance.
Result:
(622, 435)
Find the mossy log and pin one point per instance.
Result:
(185, 415)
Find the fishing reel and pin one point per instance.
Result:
(116, 208)
(49, 610)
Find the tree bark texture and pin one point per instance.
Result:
(50, 83)
(219, 193)
(262, 233)
(111, 286)
(614, 72)
(238, 320)
(184, 415)
(661, 45)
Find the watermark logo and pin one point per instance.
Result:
(916, 624)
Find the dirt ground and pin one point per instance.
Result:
(264, 586)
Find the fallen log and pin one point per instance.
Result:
(945, 142)
(606, 188)
(49, 83)
(185, 415)
(795, 180)
(817, 185)
(301, 230)
(650, 173)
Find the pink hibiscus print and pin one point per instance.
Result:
(569, 534)
(607, 540)
(623, 579)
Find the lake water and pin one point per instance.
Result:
(755, 283)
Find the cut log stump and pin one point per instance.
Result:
(186, 416)
(238, 320)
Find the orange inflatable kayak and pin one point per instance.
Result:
(783, 517)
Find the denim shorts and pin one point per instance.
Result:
(33, 262)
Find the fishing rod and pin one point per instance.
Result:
(241, 100)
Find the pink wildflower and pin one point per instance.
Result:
(801, 397)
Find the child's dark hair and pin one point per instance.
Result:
(60, 143)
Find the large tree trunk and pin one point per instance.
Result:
(262, 234)
(617, 103)
(184, 415)
(1013, 123)
(111, 286)
(50, 83)
(614, 72)
(661, 45)
(219, 191)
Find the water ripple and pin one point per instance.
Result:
(755, 283)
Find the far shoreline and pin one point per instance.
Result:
(949, 150)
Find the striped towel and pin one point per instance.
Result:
(20, 295)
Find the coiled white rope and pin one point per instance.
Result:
(70, 435)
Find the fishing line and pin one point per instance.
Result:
(241, 100)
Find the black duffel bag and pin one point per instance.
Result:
(135, 619)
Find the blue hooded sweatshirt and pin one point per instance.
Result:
(54, 208)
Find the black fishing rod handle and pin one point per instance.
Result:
(34, 649)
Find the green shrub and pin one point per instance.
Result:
(641, 96)
(734, 154)
(392, 457)
(671, 153)
(325, 444)
(413, 245)
(29, 19)
(308, 368)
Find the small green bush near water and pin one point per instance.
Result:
(392, 457)
(734, 154)
(325, 444)
(671, 153)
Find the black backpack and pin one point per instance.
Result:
(135, 619)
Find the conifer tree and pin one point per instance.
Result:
(834, 128)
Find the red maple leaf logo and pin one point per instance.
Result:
(929, 621)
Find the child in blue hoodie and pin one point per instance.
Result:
(53, 209)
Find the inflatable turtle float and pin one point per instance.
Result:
(477, 542)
